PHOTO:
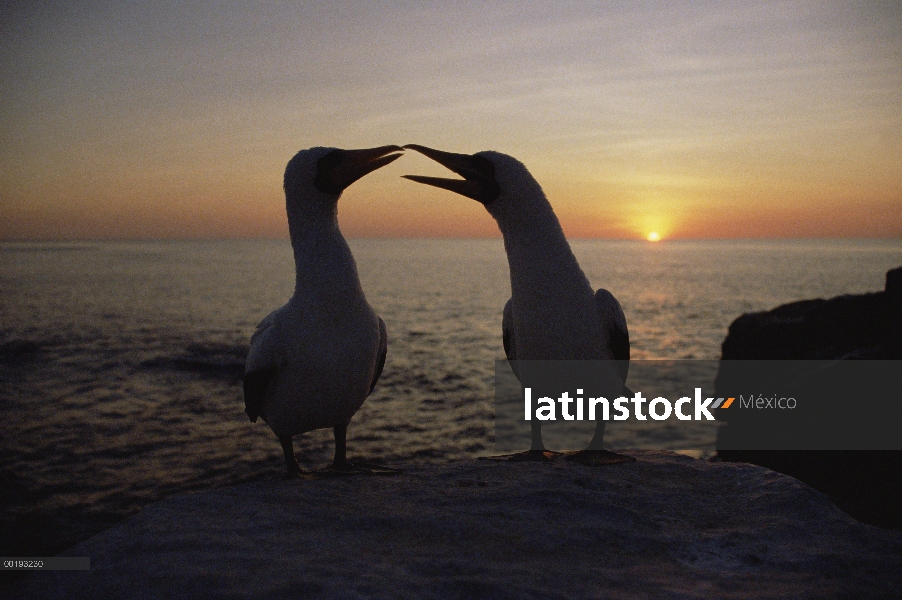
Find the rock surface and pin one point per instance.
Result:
(665, 526)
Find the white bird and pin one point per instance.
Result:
(552, 314)
(313, 362)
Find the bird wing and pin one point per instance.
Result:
(507, 330)
(507, 337)
(383, 352)
(261, 367)
(614, 322)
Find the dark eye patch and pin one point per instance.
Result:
(324, 167)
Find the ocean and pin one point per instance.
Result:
(121, 362)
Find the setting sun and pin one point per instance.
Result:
(654, 236)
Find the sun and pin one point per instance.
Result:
(654, 236)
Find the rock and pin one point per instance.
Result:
(865, 326)
(866, 484)
(894, 285)
(665, 526)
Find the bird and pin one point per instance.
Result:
(313, 362)
(553, 313)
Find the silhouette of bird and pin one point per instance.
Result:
(552, 314)
(313, 362)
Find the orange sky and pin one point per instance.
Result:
(707, 120)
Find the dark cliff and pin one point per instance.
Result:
(867, 484)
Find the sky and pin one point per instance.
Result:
(136, 120)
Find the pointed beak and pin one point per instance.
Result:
(478, 174)
(340, 168)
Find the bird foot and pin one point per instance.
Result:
(527, 456)
(302, 475)
(294, 471)
(598, 458)
(358, 468)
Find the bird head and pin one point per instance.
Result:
(316, 177)
(500, 182)
(478, 174)
(329, 171)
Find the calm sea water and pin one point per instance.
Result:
(121, 362)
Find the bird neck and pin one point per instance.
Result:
(310, 216)
(536, 246)
(553, 303)
(324, 266)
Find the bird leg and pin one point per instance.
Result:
(536, 452)
(597, 442)
(292, 467)
(595, 455)
(340, 464)
(536, 434)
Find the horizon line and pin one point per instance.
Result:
(434, 237)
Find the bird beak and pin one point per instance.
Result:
(478, 174)
(340, 168)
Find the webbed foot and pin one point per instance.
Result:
(358, 468)
(598, 458)
(294, 471)
(526, 456)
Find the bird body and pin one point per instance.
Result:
(325, 346)
(553, 313)
(313, 362)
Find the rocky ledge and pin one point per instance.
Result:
(665, 526)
